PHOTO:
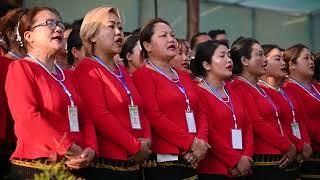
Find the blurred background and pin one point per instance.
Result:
(283, 22)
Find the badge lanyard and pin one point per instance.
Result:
(290, 103)
(177, 83)
(217, 95)
(264, 94)
(60, 81)
(285, 96)
(236, 134)
(294, 125)
(189, 114)
(315, 94)
(133, 109)
(72, 109)
(14, 55)
(120, 77)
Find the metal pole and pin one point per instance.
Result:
(192, 17)
(155, 8)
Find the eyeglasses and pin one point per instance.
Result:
(52, 24)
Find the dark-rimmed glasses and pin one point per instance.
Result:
(51, 24)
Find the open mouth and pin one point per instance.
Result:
(172, 47)
(57, 38)
(264, 67)
(185, 65)
(229, 67)
(312, 67)
(119, 41)
(284, 70)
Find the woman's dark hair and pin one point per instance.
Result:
(68, 26)
(204, 52)
(127, 47)
(147, 32)
(267, 48)
(8, 26)
(27, 21)
(74, 41)
(181, 43)
(237, 40)
(242, 48)
(316, 75)
(77, 23)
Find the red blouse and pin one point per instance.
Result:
(6, 123)
(266, 131)
(222, 157)
(286, 116)
(39, 108)
(311, 108)
(108, 102)
(165, 108)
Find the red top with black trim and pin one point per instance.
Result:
(266, 131)
(108, 102)
(222, 157)
(165, 108)
(39, 108)
(6, 123)
(311, 108)
(286, 116)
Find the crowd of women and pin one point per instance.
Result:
(135, 108)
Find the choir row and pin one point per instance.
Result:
(248, 112)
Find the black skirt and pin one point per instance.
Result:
(172, 170)
(103, 169)
(5, 152)
(310, 169)
(267, 168)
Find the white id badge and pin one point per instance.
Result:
(73, 118)
(134, 117)
(191, 123)
(236, 138)
(296, 130)
(166, 157)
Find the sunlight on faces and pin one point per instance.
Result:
(42, 37)
(257, 64)
(304, 65)
(162, 44)
(276, 67)
(221, 63)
